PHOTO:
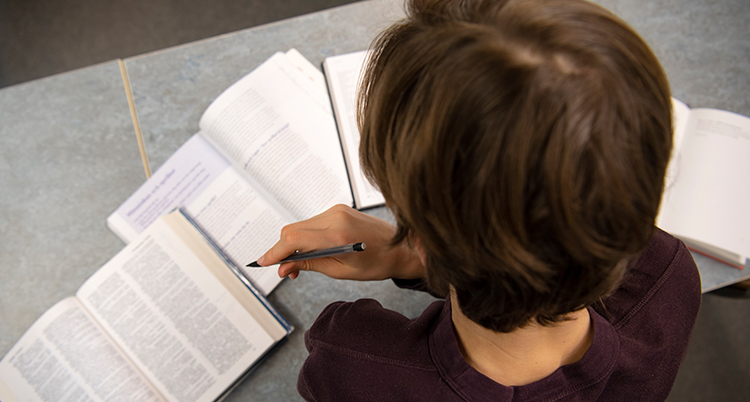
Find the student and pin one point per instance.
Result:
(521, 146)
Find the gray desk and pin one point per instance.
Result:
(68, 155)
(67, 159)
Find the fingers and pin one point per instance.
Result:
(338, 226)
(294, 240)
(321, 231)
(330, 266)
(288, 270)
(294, 237)
(326, 266)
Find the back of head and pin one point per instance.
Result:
(524, 143)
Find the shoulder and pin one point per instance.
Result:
(365, 327)
(663, 274)
(360, 349)
(653, 313)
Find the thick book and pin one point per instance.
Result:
(343, 74)
(706, 195)
(166, 319)
(267, 154)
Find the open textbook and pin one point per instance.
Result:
(707, 193)
(343, 74)
(267, 154)
(166, 319)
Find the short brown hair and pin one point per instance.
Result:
(524, 143)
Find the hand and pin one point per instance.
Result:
(338, 226)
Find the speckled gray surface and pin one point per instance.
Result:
(67, 159)
(68, 156)
(702, 44)
(173, 87)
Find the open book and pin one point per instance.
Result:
(707, 193)
(343, 73)
(166, 319)
(267, 154)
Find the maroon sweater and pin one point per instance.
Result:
(362, 352)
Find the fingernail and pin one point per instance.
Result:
(261, 260)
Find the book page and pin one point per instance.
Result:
(311, 78)
(177, 183)
(173, 318)
(708, 199)
(243, 222)
(223, 271)
(238, 215)
(65, 356)
(343, 73)
(273, 130)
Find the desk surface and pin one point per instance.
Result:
(67, 159)
(68, 155)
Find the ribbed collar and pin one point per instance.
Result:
(595, 366)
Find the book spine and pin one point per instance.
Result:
(240, 275)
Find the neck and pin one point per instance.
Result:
(526, 354)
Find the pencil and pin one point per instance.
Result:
(309, 255)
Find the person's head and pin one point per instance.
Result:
(523, 143)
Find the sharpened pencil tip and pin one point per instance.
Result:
(253, 265)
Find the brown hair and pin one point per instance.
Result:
(524, 143)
